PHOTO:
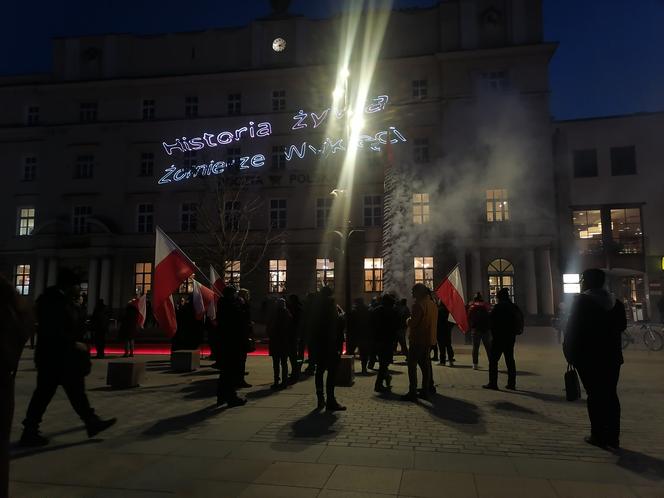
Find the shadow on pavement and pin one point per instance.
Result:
(181, 423)
(646, 466)
(541, 396)
(512, 407)
(200, 389)
(464, 415)
(18, 452)
(521, 373)
(315, 424)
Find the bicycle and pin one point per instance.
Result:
(652, 338)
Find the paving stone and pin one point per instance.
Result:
(362, 479)
(313, 475)
(372, 457)
(512, 487)
(576, 489)
(278, 452)
(434, 484)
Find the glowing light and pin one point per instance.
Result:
(571, 283)
(344, 73)
(357, 123)
(337, 94)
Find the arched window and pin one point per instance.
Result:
(501, 274)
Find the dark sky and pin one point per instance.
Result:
(610, 59)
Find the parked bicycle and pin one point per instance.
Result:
(652, 338)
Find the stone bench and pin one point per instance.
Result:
(346, 371)
(125, 373)
(186, 360)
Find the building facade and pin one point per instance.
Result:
(128, 133)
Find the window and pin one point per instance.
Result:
(188, 217)
(277, 276)
(29, 169)
(278, 100)
(189, 158)
(84, 167)
(424, 270)
(232, 273)
(278, 213)
(324, 273)
(234, 104)
(186, 287)
(420, 208)
(585, 163)
(496, 205)
(191, 107)
(87, 112)
(278, 157)
(232, 215)
(32, 115)
(142, 278)
(323, 210)
(501, 276)
(623, 161)
(626, 230)
(26, 221)
(421, 150)
(145, 218)
(373, 274)
(147, 164)
(80, 219)
(495, 81)
(148, 109)
(373, 211)
(588, 230)
(22, 279)
(420, 90)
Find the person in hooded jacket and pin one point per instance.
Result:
(593, 346)
(506, 322)
(478, 319)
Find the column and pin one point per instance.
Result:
(40, 277)
(531, 282)
(52, 272)
(105, 281)
(461, 260)
(476, 273)
(92, 284)
(546, 281)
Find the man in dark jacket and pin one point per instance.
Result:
(478, 319)
(99, 323)
(231, 348)
(385, 327)
(593, 346)
(506, 322)
(359, 333)
(60, 359)
(444, 335)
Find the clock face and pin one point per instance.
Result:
(279, 45)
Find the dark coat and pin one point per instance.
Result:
(359, 326)
(325, 342)
(129, 327)
(478, 316)
(100, 318)
(594, 328)
(280, 332)
(230, 324)
(443, 325)
(385, 324)
(506, 322)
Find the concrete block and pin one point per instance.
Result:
(346, 371)
(186, 360)
(125, 373)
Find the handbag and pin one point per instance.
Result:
(572, 386)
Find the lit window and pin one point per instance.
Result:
(191, 107)
(234, 104)
(623, 161)
(496, 81)
(420, 208)
(277, 276)
(80, 219)
(148, 109)
(324, 273)
(501, 276)
(32, 115)
(585, 163)
(188, 217)
(571, 283)
(147, 164)
(88, 112)
(186, 287)
(588, 230)
(278, 157)
(420, 89)
(22, 279)
(232, 215)
(323, 210)
(26, 221)
(189, 158)
(278, 100)
(84, 167)
(278, 213)
(421, 150)
(424, 270)
(142, 278)
(145, 218)
(373, 211)
(626, 230)
(232, 273)
(373, 274)
(29, 169)
(496, 205)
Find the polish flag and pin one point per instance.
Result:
(140, 304)
(218, 283)
(450, 292)
(204, 301)
(172, 267)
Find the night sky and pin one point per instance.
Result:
(610, 59)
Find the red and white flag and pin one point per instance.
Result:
(450, 292)
(203, 301)
(172, 267)
(140, 304)
(217, 282)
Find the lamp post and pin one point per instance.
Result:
(344, 237)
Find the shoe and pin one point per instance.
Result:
(381, 389)
(476, 366)
(32, 438)
(432, 389)
(334, 406)
(237, 402)
(441, 363)
(596, 442)
(321, 402)
(244, 385)
(365, 371)
(451, 363)
(275, 386)
(409, 396)
(613, 446)
(423, 394)
(97, 425)
(388, 382)
(493, 387)
(510, 387)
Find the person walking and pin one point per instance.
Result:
(422, 329)
(326, 345)
(506, 322)
(279, 330)
(444, 335)
(129, 328)
(247, 329)
(593, 346)
(359, 332)
(478, 320)
(231, 348)
(61, 359)
(385, 329)
(99, 325)
(404, 315)
(294, 306)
